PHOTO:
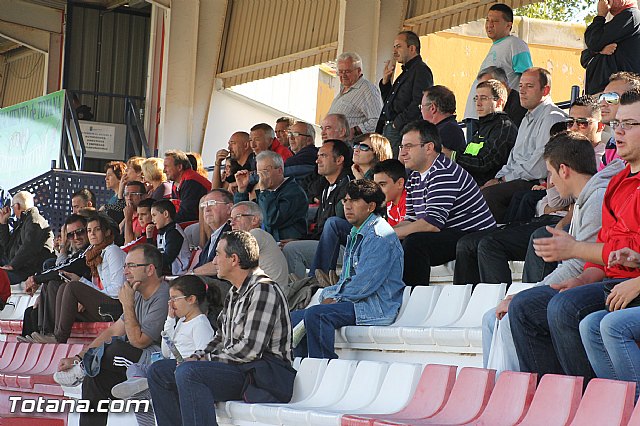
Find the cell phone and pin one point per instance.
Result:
(64, 277)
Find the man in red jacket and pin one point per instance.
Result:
(544, 320)
(188, 186)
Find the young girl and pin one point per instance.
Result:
(186, 326)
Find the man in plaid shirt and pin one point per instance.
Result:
(254, 326)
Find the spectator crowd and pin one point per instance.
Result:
(205, 280)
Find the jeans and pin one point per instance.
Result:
(545, 328)
(535, 268)
(394, 136)
(610, 341)
(299, 255)
(522, 207)
(334, 234)
(321, 323)
(510, 358)
(184, 395)
(498, 197)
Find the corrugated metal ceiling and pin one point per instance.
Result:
(256, 47)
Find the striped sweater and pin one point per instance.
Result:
(446, 196)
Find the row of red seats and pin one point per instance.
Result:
(472, 399)
(81, 332)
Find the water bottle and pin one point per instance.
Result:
(172, 346)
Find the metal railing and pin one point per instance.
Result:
(69, 150)
(136, 140)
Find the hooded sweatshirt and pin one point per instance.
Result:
(586, 220)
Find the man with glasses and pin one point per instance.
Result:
(525, 166)
(401, 96)
(438, 106)
(358, 99)
(132, 338)
(247, 216)
(71, 259)
(609, 100)
(544, 320)
(301, 137)
(489, 148)
(435, 219)
(282, 130)
(283, 202)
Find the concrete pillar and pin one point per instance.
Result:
(179, 69)
(368, 27)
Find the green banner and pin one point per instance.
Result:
(30, 134)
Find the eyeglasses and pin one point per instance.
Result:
(423, 106)
(173, 299)
(134, 265)
(624, 125)
(239, 215)
(127, 194)
(346, 71)
(484, 98)
(582, 123)
(362, 147)
(296, 134)
(214, 203)
(408, 146)
(77, 233)
(612, 98)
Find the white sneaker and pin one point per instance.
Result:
(71, 377)
(129, 388)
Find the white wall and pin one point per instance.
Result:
(231, 112)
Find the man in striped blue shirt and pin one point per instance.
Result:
(443, 204)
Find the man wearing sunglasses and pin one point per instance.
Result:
(74, 239)
(609, 101)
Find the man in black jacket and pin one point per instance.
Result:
(490, 146)
(401, 97)
(334, 164)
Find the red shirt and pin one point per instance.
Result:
(396, 212)
(620, 222)
(277, 147)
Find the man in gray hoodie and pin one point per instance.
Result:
(570, 162)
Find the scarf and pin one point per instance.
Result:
(93, 256)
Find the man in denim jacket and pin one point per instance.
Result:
(370, 288)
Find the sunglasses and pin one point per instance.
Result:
(611, 98)
(582, 123)
(362, 147)
(77, 233)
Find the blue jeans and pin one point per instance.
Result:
(610, 341)
(334, 234)
(544, 325)
(321, 322)
(185, 395)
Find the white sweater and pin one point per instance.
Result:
(188, 336)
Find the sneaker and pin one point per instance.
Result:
(71, 377)
(43, 338)
(127, 389)
(25, 339)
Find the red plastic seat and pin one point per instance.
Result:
(509, 400)
(47, 352)
(7, 354)
(606, 402)
(468, 399)
(45, 376)
(25, 358)
(555, 401)
(431, 394)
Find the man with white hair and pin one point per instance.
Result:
(23, 250)
(359, 99)
(247, 216)
(283, 202)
